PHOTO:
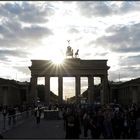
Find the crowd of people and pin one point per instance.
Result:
(11, 111)
(9, 114)
(107, 122)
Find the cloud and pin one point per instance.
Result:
(129, 72)
(124, 74)
(27, 12)
(104, 8)
(21, 30)
(130, 61)
(36, 32)
(73, 30)
(129, 68)
(121, 38)
(14, 35)
(24, 70)
(5, 54)
(127, 7)
(101, 54)
(90, 8)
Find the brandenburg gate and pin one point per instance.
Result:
(71, 67)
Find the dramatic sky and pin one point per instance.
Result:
(40, 30)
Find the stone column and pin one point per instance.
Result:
(77, 88)
(33, 88)
(60, 89)
(27, 94)
(5, 97)
(134, 94)
(104, 90)
(90, 89)
(47, 90)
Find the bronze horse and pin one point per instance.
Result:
(77, 53)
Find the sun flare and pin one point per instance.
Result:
(57, 60)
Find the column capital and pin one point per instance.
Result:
(103, 76)
(34, 75)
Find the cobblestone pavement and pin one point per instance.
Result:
(51, 129)
(20, 118)
(47, 129)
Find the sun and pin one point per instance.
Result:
(57, 57)
(58, 60)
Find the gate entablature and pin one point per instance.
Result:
(69, 67)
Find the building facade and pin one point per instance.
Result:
(125, 93)
(13, 92)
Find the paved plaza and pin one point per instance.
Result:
(51, 129)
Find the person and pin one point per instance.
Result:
(77, 125)
(93, 127)
(64, 117)
(107, 124)
(38, 114)
(1, 136)
(86, 123)
(138, 125)
(125, 126)
(99, 122)
(117, 123)
(132, 125)
(10, 113)
(14, 115)
(72, 125)
(4, 112)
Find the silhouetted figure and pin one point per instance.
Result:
(50, 107)
(107, 125)
(1, 137)
(125, 127)
(138, 124)
(14, 115)
(38, 115)
(11, 112)
(99, 123)
(70, 131)
(86, 124)
(77, 125)
(4, 112)
(117, 124)
(72, 124)
(93, 128)
(132, 125)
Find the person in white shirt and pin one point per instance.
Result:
(38, 114)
